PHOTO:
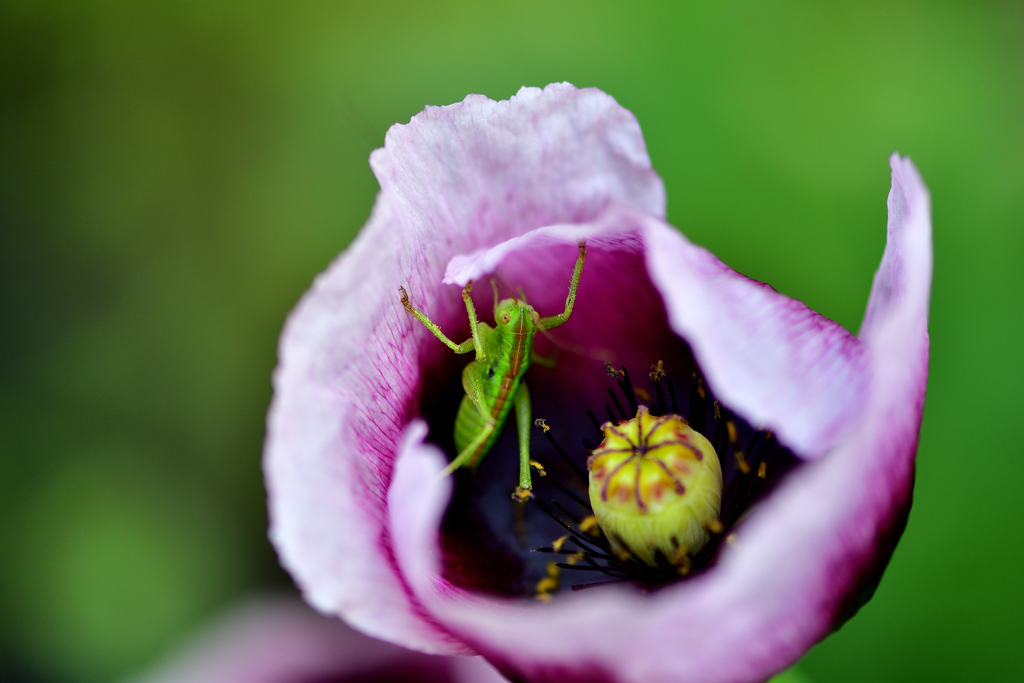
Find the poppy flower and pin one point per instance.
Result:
(816, 428)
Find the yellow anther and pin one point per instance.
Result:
(718, 411)
(730, 427)
(589, 525)
(642, 394)
(742, 463)
(540, 468)
(681, 559)
(617, 374)
(521, 495)
(559, 542)
(540, 422)
(762, 469)
(655, 487)
(658, 371)
(549, 584)
(715, 526)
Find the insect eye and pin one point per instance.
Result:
(505, 318)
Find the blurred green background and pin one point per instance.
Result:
(173, 175)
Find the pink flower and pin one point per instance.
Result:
(507, 189)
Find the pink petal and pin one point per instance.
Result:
(798, 562)
(769, 357)
(452, 180)
(274, 639)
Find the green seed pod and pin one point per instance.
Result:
(655, 485)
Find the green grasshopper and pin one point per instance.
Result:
(494, 381)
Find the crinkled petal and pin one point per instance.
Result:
(767, 356)
(801, 564)
(277, 639)
(350, 358)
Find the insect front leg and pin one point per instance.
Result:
(524, 421)
(474, 324)
(570, 301)
(466, 456)
(465, 347)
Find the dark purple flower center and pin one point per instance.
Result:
(496, 545)
(489, 541)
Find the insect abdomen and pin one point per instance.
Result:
(510, 351)
(469, 422)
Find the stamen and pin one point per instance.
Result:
(579, 554)
(618, 405)
(561, 487)
(540, 422)
(742, 463)
(595, 584)
(730, 426)
(521, 495)
(549, 584)
(591, 568)
(657, 373)
(671, 395)
(626, 387)
(578, 538)
(762, 470)
(561, 508)
(698, 416)
(589, 525)
(593, 418)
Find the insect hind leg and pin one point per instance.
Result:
(466, 456)
(524, 421)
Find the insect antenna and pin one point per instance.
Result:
(593, 353)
